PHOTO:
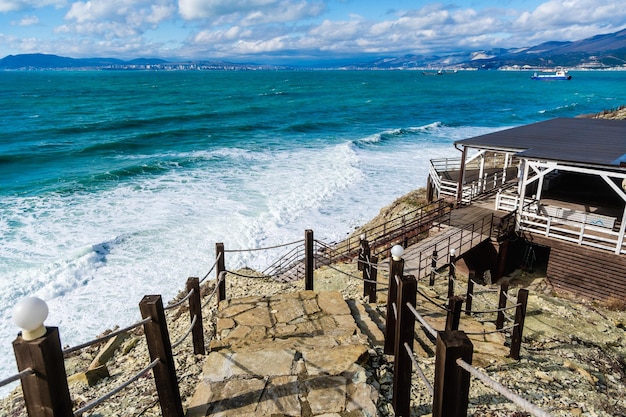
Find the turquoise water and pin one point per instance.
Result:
(118, 184)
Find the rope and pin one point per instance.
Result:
(443, 307)
(249, 276)
(421, 319)
(418, 369)
(185, 298)
(502, 390)
(499, 310)
(183, 337)
(107, 337)
(508, 297)
(353, 276)
(484, 333)
(221, 278)
(266, 248)
(219, 255)
(26, 372)
(105, 397)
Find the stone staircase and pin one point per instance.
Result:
(293, 354)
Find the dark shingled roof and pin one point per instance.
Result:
(580, 141)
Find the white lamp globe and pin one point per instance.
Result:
(396, 252)
(29, 315)
(452, 252)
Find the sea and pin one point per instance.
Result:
(118, 184)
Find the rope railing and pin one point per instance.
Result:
(219, 255)
(484, 333)
(221, 278)
(502, 390)
(434, 302)
(423, 322)
(497, 310)
(264, 248)
(419, 370)
(240, 275)
(26, 372)
(105, 337)
(187, 333)
(181, 302)
(350, 275)
(110, 394)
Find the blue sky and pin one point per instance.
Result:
(292, 30)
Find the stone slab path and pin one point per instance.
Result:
(293, 354)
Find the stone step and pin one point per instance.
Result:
(294, 354)
(370, 322)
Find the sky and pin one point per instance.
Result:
(281, 31)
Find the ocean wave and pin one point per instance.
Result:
(389, 135)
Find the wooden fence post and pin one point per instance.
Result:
(452, 383)
(520, 316)
(372, 276)
(221, 267)
(470, 292)
(453, 318)
(364, 254)
(504, 288)
(160, 347)
(46, 393)
(405, 333)
(433, 268)
(195, 310)
(309, 264)
(396, 269)
(451, 274)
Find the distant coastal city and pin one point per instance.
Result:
(600, 52)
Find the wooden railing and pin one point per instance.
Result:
(461, 241)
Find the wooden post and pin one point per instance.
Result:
(433, 268)
(308, 260)
(364, 254)
(396, 269)
(520, 316)
(46, 393)
(195, 310)
(453, 318)
(221, 267)
(370, 287)
(470, 292)
(405, 333)
(364, 265)
(451, 275)
(160, 348)
(452, 383)
(504, 288)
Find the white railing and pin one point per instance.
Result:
(448, 188)
(587, 229)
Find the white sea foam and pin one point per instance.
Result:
(92, 256)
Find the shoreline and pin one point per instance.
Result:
(599, 336)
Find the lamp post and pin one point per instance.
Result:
(396, 269)
(39, 348)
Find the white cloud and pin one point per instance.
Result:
(17, 5)
(115, 18)
(29, 21)
(250, 11)
(556, 16)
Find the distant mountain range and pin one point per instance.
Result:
(597, 52)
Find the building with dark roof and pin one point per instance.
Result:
(565, 181)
